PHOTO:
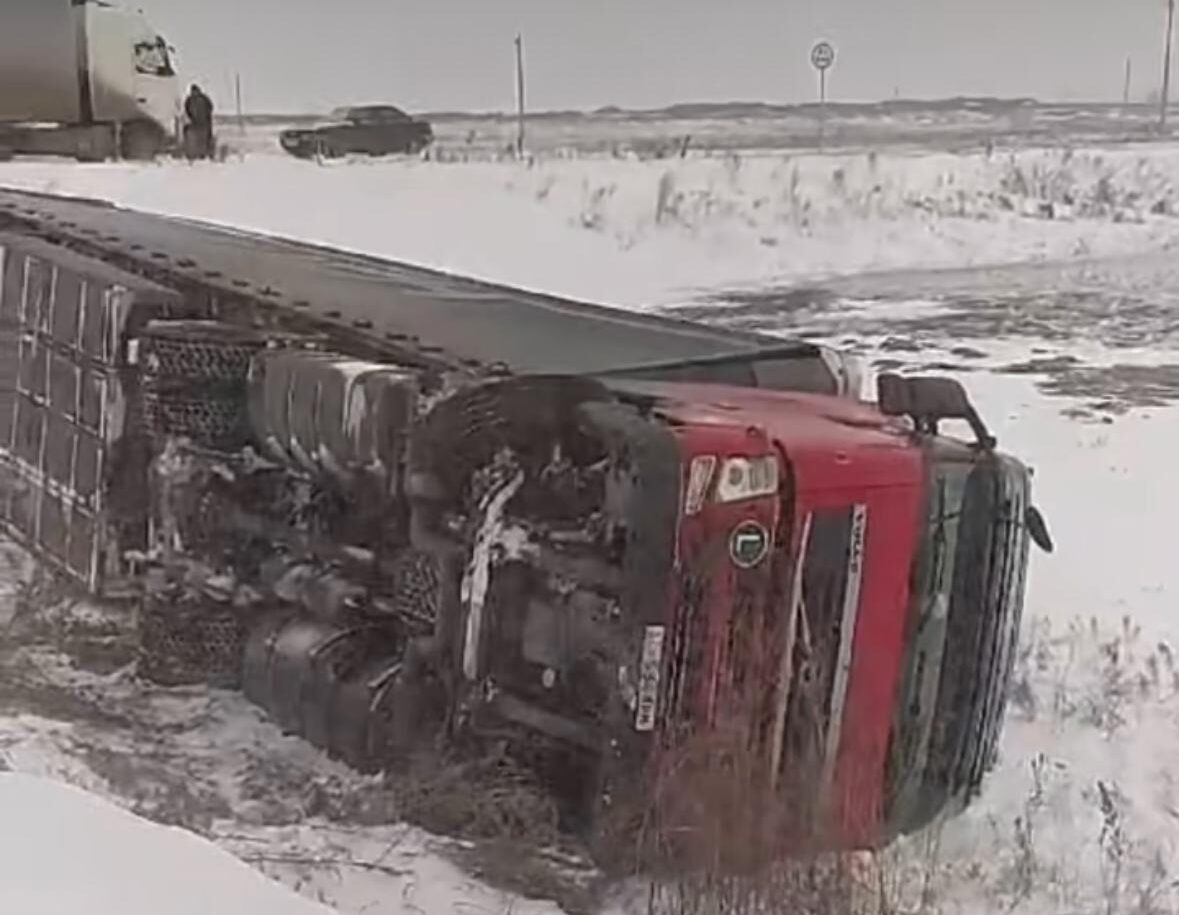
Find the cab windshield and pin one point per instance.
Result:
(152, 58)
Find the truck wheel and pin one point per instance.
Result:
(613, 820)
(328, 150)
(91, 155)
(142, 142)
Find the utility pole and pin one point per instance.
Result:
(237, 91)
(520, 96)
(1129, 74)
(1167, 67)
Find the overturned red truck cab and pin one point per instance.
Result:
(837, 589)
(604, 574)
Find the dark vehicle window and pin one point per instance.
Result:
(152, 58)
(377, 116)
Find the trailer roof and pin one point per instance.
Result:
(470, 320)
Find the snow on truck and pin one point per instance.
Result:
(84, 78)
(397, 507)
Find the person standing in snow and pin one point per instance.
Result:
(198, 108)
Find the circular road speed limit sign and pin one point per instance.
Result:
(823, 55)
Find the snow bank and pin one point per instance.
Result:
(391, 870)
(638, 233)
(1108, 495)
(65, 851)
(1080, 814)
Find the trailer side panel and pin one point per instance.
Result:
(41, 67)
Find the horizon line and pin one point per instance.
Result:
(704, 106)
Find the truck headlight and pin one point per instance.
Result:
(747, 478)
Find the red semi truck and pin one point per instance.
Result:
(613, 574)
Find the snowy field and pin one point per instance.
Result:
(1044, 278)
(643, 233)
(955, 124)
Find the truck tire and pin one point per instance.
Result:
(141, 141)
(88, 151)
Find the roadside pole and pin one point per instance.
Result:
(237, 92)
(520, 96)
(1126, 87)
(1167, 66)
(822, 59)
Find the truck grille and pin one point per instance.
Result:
(685, 653)
(827, 560)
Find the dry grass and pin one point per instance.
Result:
(718, 839)
(716, 836)
(490, 798)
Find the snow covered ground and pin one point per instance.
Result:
(64, 850)
(948, 124)
(644, 233)
(1064, 325)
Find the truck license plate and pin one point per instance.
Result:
(650, 671)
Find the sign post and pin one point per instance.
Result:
(520, 96)
(237, 92)
(1168, 39)
(822, 59)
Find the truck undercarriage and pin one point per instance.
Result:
(399, 510)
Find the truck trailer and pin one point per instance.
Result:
(329, 481)
(86, 79)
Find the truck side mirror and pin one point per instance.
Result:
(927, 401)
(1038, 529)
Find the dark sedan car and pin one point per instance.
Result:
(373, 130)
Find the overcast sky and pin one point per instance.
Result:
(457, 54)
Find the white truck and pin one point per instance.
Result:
(84, 78)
